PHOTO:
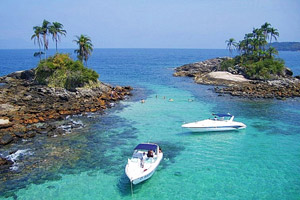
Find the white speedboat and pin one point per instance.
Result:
(220, 122)
(145, 159)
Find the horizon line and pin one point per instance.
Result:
(117, 48)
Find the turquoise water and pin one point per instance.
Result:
(260, 162)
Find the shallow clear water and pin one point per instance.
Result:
(260, 162)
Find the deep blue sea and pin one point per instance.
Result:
(260, 162)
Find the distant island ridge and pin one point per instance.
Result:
(286, 46)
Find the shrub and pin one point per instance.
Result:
(61, 71)
(227, 63)
(265, 69)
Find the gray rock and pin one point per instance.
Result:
(27, 98)
(6, 139)
(287, 72)
(20, 134)
(202, 67)
(30, 134)
(28, 74)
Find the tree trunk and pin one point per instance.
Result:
(56, 44)
(39, 49)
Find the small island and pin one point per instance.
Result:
(31, 100)
(254, 73)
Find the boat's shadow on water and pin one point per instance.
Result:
(126, 188)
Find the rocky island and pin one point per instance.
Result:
(255, 73)
(27, 107)
(236, 84)
(42, 102)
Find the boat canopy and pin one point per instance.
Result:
(223, 115)
(152, 147)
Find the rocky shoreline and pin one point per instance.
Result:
(27, 109)
(209, 72)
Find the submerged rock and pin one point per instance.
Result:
(5, 163)
(6, 139)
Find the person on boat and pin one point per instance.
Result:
(150, 154)
(144, 156)
(142, 161)
(160, 150)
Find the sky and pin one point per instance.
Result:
(203, 24)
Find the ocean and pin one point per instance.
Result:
(259, 162)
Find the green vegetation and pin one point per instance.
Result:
(256, 58)
(85, 48)
(61, 71)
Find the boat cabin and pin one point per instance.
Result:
(145, 151)
(223, 117)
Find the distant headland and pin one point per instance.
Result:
(286, 46)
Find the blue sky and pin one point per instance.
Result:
(148, 23)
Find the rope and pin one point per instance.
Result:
(131, 189)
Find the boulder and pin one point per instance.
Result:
(287, 72)
(28, 74)
(20, 134)
(5, 123)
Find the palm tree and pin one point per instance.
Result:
(85, 48)
(56, 31)
(231, 44)
(266, 27)
(37, 38)
(259, 39)
(271, 51)
(242, 47)
(44, 32)
(273, 34)
(247, 42)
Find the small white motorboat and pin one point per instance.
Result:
(145, 159)
(220, 122)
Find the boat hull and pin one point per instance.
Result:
(211, 125)
(213, 129)
(143, 176)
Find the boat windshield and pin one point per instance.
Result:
(151, 160)
(138, 154)
(222, 117)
